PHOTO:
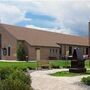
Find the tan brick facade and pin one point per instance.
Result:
(8, 40)
(45, 52)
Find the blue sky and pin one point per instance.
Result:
(39, 20)
(62, 16)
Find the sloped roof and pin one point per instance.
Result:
(43, 38)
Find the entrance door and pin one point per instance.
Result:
(0, 46)
(38, 53)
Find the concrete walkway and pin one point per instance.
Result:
(41, 80)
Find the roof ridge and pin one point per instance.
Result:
(41, 30)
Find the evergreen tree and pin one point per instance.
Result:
(21, 53)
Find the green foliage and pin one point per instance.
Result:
(86, 80)
(33, 65)
(14, 79)
(10, 84)
(55, 66)
(5, 72)
(69, 74)
(21, 53)
(64, 73)
(21, 76)
(18, 65)
(59, 63)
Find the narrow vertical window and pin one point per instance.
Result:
(60, 50)
(70, 50)
(53, 50)
(86, 50)
(9, 51)
(50, 50)
(56, 50)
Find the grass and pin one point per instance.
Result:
(33, 65)
(69, 74)
(87, 63)
(19, 65)
(63, 63)
(60, 63)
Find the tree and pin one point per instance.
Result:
(21, 53)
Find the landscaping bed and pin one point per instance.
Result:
(13, 75)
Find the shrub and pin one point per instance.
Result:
(14, 79)
(86, 80)
(21, 53)
(10, 84)
(5, 72)
(21, 76)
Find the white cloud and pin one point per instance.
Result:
(35, 27)
(10, 14)
(64, 31)
(72, 15)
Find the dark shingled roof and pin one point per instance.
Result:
(43, 38)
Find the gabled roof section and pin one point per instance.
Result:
(43, 38)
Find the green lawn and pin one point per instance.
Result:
(33, 65)
(68, 74)
(19, 65)
(87, 64)
(62, 63)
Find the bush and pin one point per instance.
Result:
(14, 79)
(86, 80)
(5, 72)
(21, 53)
(10, 84)
(21, 76)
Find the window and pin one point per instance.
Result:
(86, 50)
(56, 50)
(9, 51)
(70, 50)
(50, 50)
(53, 50)
(60, 51)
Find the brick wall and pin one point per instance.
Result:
(8, 40)
(44, 52)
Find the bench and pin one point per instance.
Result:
(52, 58)
(43, 64)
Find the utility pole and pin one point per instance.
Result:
(89, 42)
(0, 20)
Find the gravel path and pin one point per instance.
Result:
(42, 81)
